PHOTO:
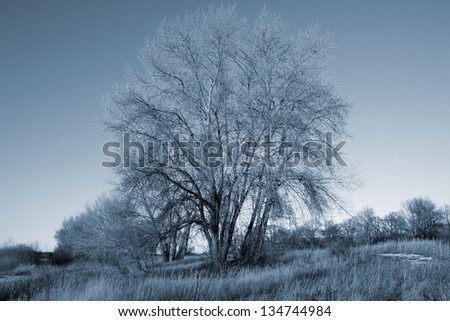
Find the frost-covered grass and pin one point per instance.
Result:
(364, 273)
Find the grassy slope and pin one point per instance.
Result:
(362, 274)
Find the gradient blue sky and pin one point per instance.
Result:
(57, 59)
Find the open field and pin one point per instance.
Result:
(414, 270)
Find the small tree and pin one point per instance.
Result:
(11, 256)
(396, 226)
(445, 216)
(424, 218)
(349, 229)
(368, 227)
(331, 232)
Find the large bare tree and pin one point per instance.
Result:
(247, 97)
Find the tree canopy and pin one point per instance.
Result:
(225, 109)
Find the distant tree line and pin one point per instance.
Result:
(13, 256)
(112, 230)
(419, 218)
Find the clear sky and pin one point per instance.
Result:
(57, 59)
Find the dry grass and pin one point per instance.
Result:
(363, 274)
